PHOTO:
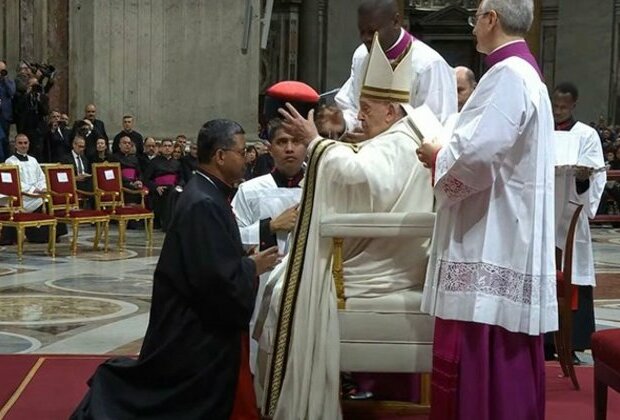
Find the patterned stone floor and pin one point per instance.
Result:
(98, 302)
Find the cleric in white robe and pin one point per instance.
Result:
(32, 180)
(433, 82)
(31, 175)
(583, 182)
(491, 275)
(377, 175)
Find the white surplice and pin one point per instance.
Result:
(590, 155)
(492, 258)
(31, 178)
(380, 175)
(433, 83)
(261, 198)
(258, 199)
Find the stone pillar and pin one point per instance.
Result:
(584, 53)
(173, 65)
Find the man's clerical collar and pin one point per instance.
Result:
(282, 181)
(222, 186)
(20, 157)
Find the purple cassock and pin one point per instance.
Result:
(486, 372)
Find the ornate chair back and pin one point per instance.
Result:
(108, 182)
(61, 186)
(10, 190)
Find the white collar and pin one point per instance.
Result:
(506, 44)
(402, 34)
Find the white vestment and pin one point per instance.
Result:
(590, 155)
(31, 178)
(258, 199)
(433, 84)
(380, 175)
(493, 254)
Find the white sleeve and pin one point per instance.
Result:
(466, 164)
(591, 154)
(347, 99)
(435, 87)
(247, 219)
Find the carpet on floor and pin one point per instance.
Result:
(50, 387)
(43, 387)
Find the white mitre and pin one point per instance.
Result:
(384, 83)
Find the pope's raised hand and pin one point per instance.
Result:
(296, 125)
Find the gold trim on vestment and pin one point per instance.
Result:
(390, 95)
(290, 289)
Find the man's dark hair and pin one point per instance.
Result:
(128, 116)
(214, 135)
(568, 87)
(274, 125)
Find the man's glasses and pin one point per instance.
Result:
(472, 20)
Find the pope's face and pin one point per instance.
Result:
(374, 116)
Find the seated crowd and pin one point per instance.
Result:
(160, 166)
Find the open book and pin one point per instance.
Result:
(567, 158)
(425, 124)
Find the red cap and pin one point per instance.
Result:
(298, 94)
(293, 91)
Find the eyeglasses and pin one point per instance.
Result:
(472, 20)
(241, 153)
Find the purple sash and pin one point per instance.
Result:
(166, 180)
(396, 50)
(516, 49)
(129, 173)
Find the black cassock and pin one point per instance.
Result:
(203, 297)
(129, 162)
(163, 205)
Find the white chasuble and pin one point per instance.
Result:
(589, 154)
(433, 84)
(380, 175)
(32, 178)
(493, 253)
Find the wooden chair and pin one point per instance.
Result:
(386, 334)
(64, 204)
(566, 292)
(12, 213)
(110, 197)
(606, 354)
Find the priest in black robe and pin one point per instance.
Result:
(194, 359)
(164, 179)
(130, 170)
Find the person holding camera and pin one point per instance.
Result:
(31, 110)
(57, 142)
(7, 91)
(44, 73)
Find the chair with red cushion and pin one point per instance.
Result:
(567, 295)
(110, 197)
(606, 353)
(13, 215)
(64, 204)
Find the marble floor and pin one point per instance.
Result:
(98, 302)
